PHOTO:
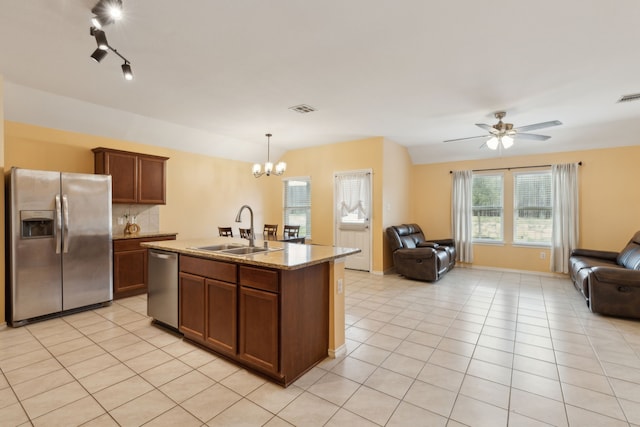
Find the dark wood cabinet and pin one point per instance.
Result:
(221, 317)
(215, 312)
(192, 295)
(272, 321)
(130, 266)
(135, 178)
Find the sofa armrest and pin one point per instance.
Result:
(621, 276)
(608, 255)
(415, 253)
(444, 242)
(433, 245)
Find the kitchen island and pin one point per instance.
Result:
(278, 312)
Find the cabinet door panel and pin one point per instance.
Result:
(123, 169)
(192, 308)
(221, 316)
(130, 273)
(151, 187)
(259, 328)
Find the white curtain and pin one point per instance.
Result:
(353, 195)
(564, 235)
(461, 214)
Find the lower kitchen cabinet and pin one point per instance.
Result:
(259, 328)
(191, 320)
(272, 321)
(130, 265)
(221, 316)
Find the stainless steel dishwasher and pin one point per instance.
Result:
(162, 299)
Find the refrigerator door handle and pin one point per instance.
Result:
(58, 230)
(65, 211)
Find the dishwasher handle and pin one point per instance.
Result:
(163, 255)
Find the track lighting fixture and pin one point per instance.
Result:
(103, 48)
(107, 12)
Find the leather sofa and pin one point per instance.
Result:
(609, 281)
(415, 257)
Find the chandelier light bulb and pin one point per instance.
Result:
(268, 168)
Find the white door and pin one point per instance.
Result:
(352, 192)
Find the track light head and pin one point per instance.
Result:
(106, 12)
(99, 21)
(126, 71)
(99, 54)
(101, 39)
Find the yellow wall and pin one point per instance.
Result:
(396, 193)
(320, 163)
(609, 207)
(202, 192)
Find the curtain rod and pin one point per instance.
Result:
(514, 167)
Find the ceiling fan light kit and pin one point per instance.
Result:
(502, 135)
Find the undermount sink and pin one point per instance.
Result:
(235, 249)
(245, 250)
(216, 248)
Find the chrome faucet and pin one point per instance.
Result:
(238, 219)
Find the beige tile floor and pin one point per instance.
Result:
(478, 348)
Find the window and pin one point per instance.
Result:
(532, 220)
(487, 209)
(297, 204)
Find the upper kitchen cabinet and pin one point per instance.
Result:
(136, 178)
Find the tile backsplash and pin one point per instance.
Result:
(146, 216)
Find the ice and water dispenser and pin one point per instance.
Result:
(36, 224)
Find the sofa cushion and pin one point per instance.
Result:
(630, 256)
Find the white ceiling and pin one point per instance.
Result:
(213, 76)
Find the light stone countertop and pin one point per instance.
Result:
(141, 235)
(289, 256)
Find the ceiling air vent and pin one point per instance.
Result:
(627, 98)
(303, 108)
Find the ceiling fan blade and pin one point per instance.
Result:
(464, 139)
(532, 136)
(538, 126)
(485, 127)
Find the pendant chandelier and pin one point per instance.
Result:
(268, 166)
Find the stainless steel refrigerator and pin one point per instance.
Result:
(60, 252)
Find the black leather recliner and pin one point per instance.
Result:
(418, 258)
(609, 281)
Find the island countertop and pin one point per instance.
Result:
(283, 256)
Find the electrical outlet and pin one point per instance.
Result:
(340, 286)
(543, 255)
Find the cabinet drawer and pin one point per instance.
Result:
(259, 278)
(208, 268)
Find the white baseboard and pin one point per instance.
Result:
(512, 270)
(338, 352)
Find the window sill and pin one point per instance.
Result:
(488, 243)
(531, 245)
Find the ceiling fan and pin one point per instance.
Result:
(502, 134)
